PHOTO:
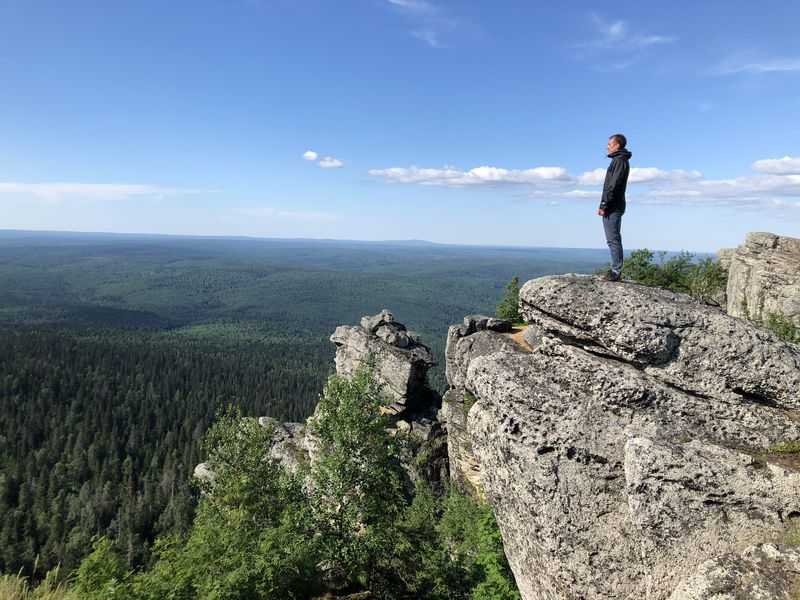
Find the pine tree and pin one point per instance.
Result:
(509, 305)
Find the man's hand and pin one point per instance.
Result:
(601, 212)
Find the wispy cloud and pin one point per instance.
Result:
(733, 66)
(429, 22)
(775, 183)
(615, 45)
(269, 213)
(619, 35)
(329, 162)
(310, 155)
(415, 6)
(58, 192)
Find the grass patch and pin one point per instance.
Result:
(785, 448)
(16, 587)
(783, 327)
(469, 400)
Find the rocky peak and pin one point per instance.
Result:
(764, 278)
(629, 442)
(400, 360)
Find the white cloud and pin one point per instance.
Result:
(593, 177)
(776, 183)
(269, 213)
(450, 176)
(770, 65)
(582, 194)
(57, 192)
(310, 155)
(652, 174)
(329, 162)
(788, 165)
(639, 175)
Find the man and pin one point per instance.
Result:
(612, 203)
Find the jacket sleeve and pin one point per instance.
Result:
(612, 182)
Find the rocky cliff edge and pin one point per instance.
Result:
(626, 448)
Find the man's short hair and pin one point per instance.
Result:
(620, 139)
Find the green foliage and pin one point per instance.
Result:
(469, 530)
(356, 482)
(260, 534)
(102, 574)
(250, 537)
(704, 280)
(509, 305)
(783, 327)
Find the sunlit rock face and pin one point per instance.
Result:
(764, 278)
(629, 444)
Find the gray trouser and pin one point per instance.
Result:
(612, 225)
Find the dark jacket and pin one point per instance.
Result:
(613, 199)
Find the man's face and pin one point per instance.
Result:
(613, 145)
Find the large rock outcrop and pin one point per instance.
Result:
(401, 361)
(631, 445)
(764, 278)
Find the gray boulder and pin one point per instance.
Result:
(696, 348)
(631, 445)
(763, 572)
(764, 278)
(401, 369)
(371, 323)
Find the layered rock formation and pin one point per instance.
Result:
(764, 278)
(631, 445)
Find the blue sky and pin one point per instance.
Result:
(459, 122)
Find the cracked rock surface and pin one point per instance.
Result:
(631, 446)
(764, 278)
(763, 572)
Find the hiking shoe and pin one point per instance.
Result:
(611, 276)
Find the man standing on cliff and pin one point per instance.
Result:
(612, 203)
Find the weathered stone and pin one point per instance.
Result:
(393, 336)
(462, 347)
(763, 572)
(475, 323)
(724, 255)
(675, 339)
(673, 488)
(499, 325)
(385, 317)
(402, 371)
(631, 445)
(203, 473)
(764, 278)
(465, 470)
(290, 444)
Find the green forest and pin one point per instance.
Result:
(117, 352)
